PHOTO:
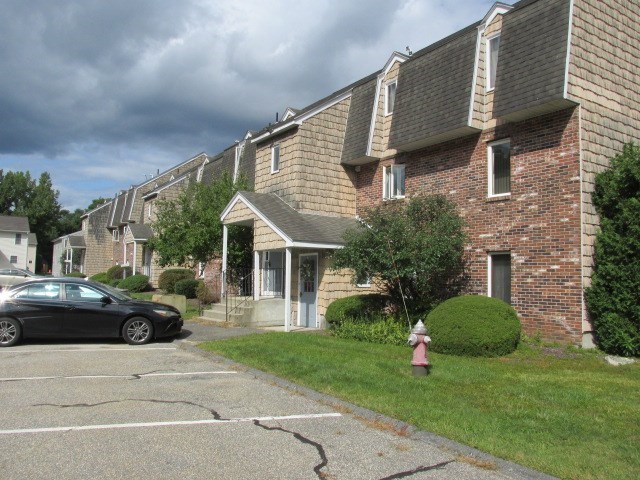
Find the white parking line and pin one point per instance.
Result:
(141, 375)
(81, 350)
(165, 424)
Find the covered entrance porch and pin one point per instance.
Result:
(291, 270)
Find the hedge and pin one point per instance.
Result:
(168, 278)
(186, 287)
(474, 326)
(118, 272)
(356, 307)
(135, 283)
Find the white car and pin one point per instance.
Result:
(13, 276)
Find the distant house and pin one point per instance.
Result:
(17, 244)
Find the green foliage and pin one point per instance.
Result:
(75, 274)
(613, 298)
(169, 278)
(101, 277)
(355, 307)
(69, 222)
(96, 202)
(186, 287)
(474, 326)
(135, 283)
(188, 230)
(20, 195)
(382, 330)
(114, 282)
(118, 272)
(205, 294)
(415, 248)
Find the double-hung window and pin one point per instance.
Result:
(390, 97)
(275, 158)
(393, 182)
(499, 154)
(500, 276)
(18, 238)
(493, 46)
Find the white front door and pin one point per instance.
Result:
(272, 273)
(308, 286)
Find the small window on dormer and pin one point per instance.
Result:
(275, 158)
(390, 97)
(115, 235)
(493, 46)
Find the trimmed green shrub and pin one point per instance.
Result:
(356, 307)
(205, 294)
(612, 298)
(384, 330)
(101, 277)
(473, 326)
(135, 283)
(168, 278)
(186, 287)
(75, 274)
(114, 283)
(118, 272)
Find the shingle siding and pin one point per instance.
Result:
(532, 57)
(434, 92)
(358, 122)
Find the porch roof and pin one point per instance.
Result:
(296, 229)
(140, 232)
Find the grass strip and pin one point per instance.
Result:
(563, 412)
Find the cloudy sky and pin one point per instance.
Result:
(101, 92)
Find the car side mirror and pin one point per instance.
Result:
(106, 300)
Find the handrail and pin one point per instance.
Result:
(238, 289)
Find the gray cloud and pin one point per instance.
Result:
(112, 87)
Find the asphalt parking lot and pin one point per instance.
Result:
(108, 410)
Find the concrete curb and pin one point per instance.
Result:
(401, 428)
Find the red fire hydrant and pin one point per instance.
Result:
(419, 340)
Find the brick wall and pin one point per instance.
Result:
(539, 223)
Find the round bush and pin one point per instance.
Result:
(101, 277)
(168, 278)
(473, 326)
(135, 283)
(186, 287)
(118, 272)
(355, 306)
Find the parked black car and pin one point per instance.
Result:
(77, 308)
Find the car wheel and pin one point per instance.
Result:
(137, 331)
(10, 331)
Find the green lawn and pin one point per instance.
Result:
(563, 412)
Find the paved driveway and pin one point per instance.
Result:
(109, 410)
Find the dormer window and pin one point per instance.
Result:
(493, 46)
(115, 235)
(390, 97)
(275, 158)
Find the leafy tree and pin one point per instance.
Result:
(69, 222)
(96, 202)
(414, 248)
(20, 195)
(614, 296)
(188, 230)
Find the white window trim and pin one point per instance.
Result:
(389, 168)
(386, 96)
(273, 157)
(366, 284)
(149, 210)
(115, 235)
(490, 84)
(490, 168)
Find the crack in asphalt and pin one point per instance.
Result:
(408, 473)
(317, 469)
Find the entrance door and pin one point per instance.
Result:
(308, 285)
(272, 273)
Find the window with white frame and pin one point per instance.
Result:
(13, 259)
(493, 46)
(149, 210)
(390, 97)
(393, 182)
(275, 158)
(363, 281)
(500, 276)
(499, 155)
(18, 238)
(115, 235)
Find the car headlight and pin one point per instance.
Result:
(164, 313)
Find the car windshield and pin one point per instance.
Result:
(117, 294)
